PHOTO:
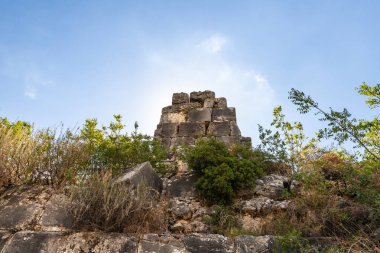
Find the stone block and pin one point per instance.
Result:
(273, 186)
(227, 114)
(206, 243)
(219, 128)
(183, 141)
(209, 103)
(142, 173)
(229, 140)
(191, 129)
(199, 115)
(185, 108)
(168, 130)
(220, 103)
(235, 131)
(254, 244)
(166, 109)
(182, 186)
(200, 96)
(172, 117)
(180, 98)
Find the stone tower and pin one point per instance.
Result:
(198, 115)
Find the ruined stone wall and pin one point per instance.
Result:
(198, 115)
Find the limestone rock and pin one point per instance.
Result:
(261, 205)
(254, 244)
(180, 98)
(179, 209)
(272, 186)
(142, 173)
(54, 216)
(208, 243)
(191, 129)
(219, 128)
(220, 103)
(226, 114)
(200, 115)
(201, 96)
(182, 186)
(28, 241)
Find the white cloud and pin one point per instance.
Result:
(214, 44)
(30, 92)
(185, 68)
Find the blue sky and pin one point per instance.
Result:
(65, 61)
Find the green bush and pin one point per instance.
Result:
(222, 173)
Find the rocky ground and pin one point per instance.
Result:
(35, 219)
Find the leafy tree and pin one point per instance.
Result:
(341, 125)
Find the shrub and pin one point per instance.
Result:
(100, 204)
(222, 173)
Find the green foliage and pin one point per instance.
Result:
(224, 220)
(293, 242)
(58, 157)
(341, 126)
(222, 173)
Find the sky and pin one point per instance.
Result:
(66, 61)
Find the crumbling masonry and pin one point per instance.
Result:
(198, 115)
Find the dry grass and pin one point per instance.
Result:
(100, 204)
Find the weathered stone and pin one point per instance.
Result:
(21, 206)
(180, 226)
(235, 131)
(199, 115)
(260, 205)
(273, 186)
(172, 117)
(4, 237)
(54, 216)
(191, 129)
(246, 140)
(168, 130)
(227, 114)
(208, 243)
(182, 141)
(142, 173)
(209, 103)
(254, 244)
(166, 109)
(28, 241)
(229, 140)
(95, 242)
(165, 142)
(220, 103)
(156, 247)
(180, 98)
(200, 96)
(219, 128)
(182, 186)
(185, 108)
(179, 209)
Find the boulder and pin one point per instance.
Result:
(142, 173)
(179, 209)
(273, 186)
(180, 98)
(29, 241)
(208, 243)
(55, 216)
(254, 244)
(201, 96)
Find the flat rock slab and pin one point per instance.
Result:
(142, 173)
(156, 247)
(208, 243)
(254, 244)
(29, 241)
(55, 216)
(263, 205)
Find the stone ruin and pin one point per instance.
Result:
(196, 116)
